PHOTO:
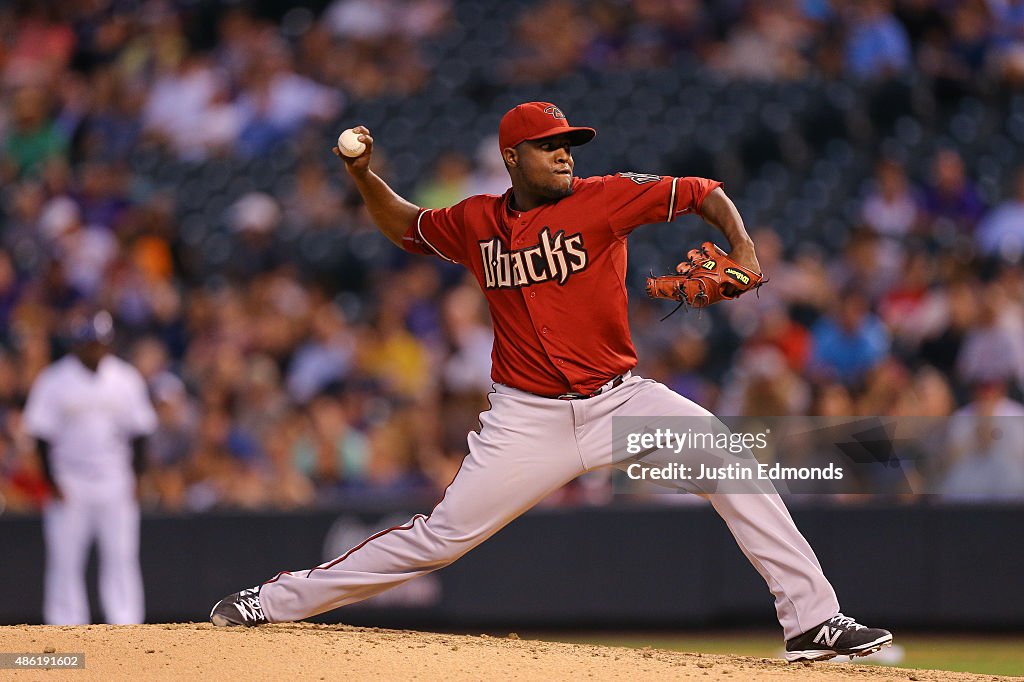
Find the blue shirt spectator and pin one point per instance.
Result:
(878, 43)
(851, 343)
(1001, 231)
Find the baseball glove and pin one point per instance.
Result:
(706, 277)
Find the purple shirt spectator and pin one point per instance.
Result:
(951, 196)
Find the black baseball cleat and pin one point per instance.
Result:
(240, 608)
(837, 636)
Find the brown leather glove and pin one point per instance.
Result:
(706, 277)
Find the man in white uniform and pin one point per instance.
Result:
(89, 413)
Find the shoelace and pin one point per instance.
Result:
(847, 622)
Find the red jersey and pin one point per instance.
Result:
(554, 276)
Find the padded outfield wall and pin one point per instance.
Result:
(618, 567)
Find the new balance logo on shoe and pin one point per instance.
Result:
(839, 635)
(828, 636)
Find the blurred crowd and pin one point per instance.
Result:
(958, 43)
(306, 371)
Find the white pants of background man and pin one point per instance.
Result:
(69, 527)
(529, 446)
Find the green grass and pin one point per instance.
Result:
(996, 654)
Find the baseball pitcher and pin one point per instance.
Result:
(550, 257)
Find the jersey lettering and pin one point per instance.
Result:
(554, 257)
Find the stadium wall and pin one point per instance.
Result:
(653, 567)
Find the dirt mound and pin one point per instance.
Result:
(307, 651)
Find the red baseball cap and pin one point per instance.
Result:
(536, 120)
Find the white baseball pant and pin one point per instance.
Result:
(69, 528)
(528, 447)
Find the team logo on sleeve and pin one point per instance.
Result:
(640, 178)
(553, 258)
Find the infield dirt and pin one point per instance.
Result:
(305, 651)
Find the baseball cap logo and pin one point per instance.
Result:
(554, 111)
(535, 120)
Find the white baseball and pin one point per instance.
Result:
(349, 144)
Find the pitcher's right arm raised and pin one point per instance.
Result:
(391, 213)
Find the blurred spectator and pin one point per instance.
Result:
(923, 20)
(763, 385)
(101, 193)
(313, 202)
(171, 446)
(211, 469)
(684, 368)
(449, 183)
(985, 460)
(767, 44)
(332, 451)
(871, 263)
(832, 399)
(850, 341)
(254, 218)
(10, 289)
(323, 359)
(276, 101)
(790, 338)
(951, 200)
(882, 386)
(366, 20)
(85, 251)
(534, 57)
(391, 468)
(489, 176)
(34, 137)
(467, 369)
(956, 314)
(659, 31)
(877, 46)
(393, 356)
(41, 47)
(1001, 231)
(1008, 40)
(993, 347)
(376, 51)
(911, 308)
(890, 208)
(181, 105)
(287, 487)
(954, 43)
(928, 395)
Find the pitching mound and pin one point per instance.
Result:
(305, 651)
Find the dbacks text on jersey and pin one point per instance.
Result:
(554, 257)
